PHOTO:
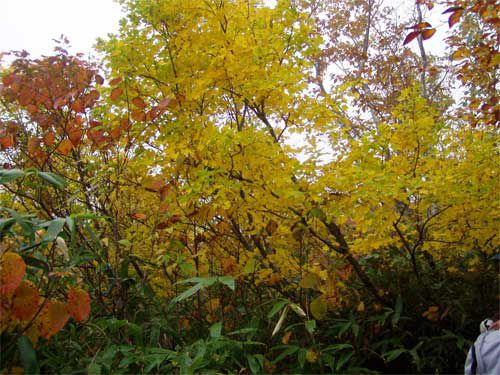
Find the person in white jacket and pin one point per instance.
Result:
(484, 356)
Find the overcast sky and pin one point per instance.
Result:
(32, 24)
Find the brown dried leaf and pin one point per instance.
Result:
(410, 37)
(116, 93)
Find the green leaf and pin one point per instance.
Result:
(319, 309)
(393, 354)
(215, 330)
(344, 359)
(187, 293)
(318, 213)
(310, 326)
(204, 281)
(397, 311)
(355, 329)
(126, 243)
(28, 356)
(243, 331)
(154, 361)
(337, 347)
(9, 175)
(54, 228)
(276, 308)
(227, 280)
(53, 179)
(253, 363)
(71, 225)
(250, 266)
(37, 263)
(301, 357)
(23, 221)
(285, 353)
(5, 224)
(94, 369)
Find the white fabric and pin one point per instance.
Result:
(487, 354)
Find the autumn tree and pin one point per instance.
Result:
(202, 205)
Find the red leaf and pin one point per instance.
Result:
(78, 304)
(410, 37)
(452, 10)
(12, 270)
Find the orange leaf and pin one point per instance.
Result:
(52, 318)
(78, 106)
(410, 37)
(116, 93)
(94, 95)
(8, 79)
(138, 115)
(7, 141)
(139, 216)
(33, 145)
(124, 124)
(115, 133)
(115, 81)
(421, 25)
(75, 135)
(428, 33)
(26, 301)
(65, 147)
(12, 270)
(78, 304)
(139, 103)
(49, 138)
(454, 18)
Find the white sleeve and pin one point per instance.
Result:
(468, 363)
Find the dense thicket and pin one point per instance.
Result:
(253, 187)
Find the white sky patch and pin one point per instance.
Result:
(33, 24)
